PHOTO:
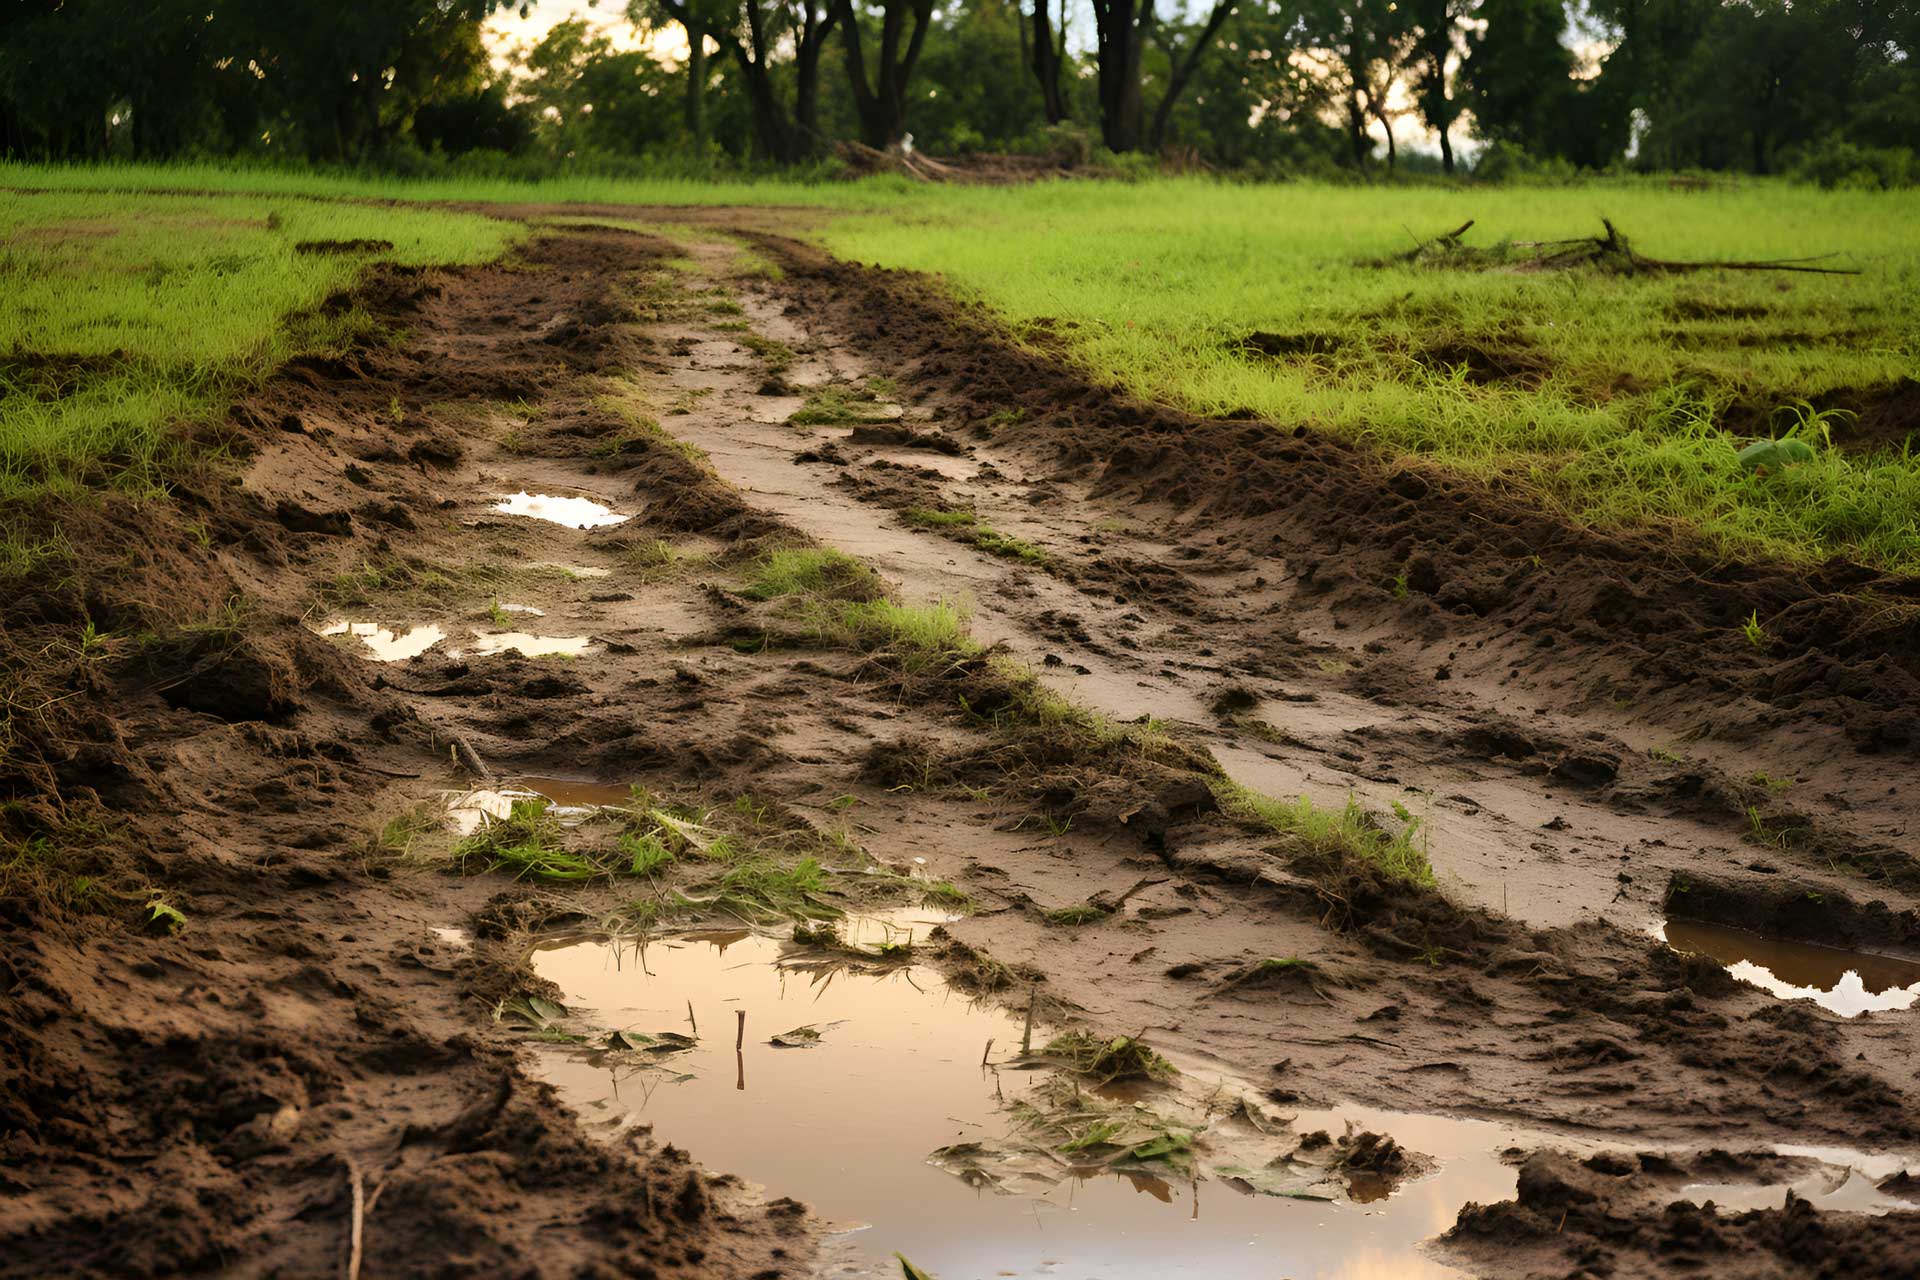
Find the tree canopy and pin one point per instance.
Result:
(1827, 87)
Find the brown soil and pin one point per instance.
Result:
(1577, 717)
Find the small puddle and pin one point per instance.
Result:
(571, 793)
(1844, 982)
(1844, 1190)
(486, 643)
(573, 570)
(849, 1123)
(385, 644)
(575, 513)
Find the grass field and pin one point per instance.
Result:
(1620, 400)
(122, 315)
(1603, 395)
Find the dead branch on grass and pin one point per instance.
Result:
(1612, 252)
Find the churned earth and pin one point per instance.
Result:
(671, 592)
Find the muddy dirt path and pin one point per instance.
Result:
(516, 554)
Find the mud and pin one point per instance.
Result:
(1574, 720)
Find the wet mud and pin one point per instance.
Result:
(507, 565)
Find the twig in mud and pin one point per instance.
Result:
(468, 758)
(691, 1022)
(1026, 1036)
(356, 1224)
(986, 1052)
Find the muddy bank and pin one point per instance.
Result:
(289, 1062)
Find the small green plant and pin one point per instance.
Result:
(946, 893)
(399, 833)
(1399, 585)
(1771, 783)
(1755, 631)
(164, 917)
(1664, 755)
(812, 571)
(497, 612)
(836, 406)
(645, 853)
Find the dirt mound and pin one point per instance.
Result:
(1621, 1217)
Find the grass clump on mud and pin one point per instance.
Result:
(812, 571)
(1107, 1058)
(1348, 831)
(842, 406)
(964, 526)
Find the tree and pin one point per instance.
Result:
(1435, 26)
(1518, 76)
(1045, 54)
(1122, 31)
(749, 36)
(701, 20)
(881, 103)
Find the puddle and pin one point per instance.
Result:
(1843, 982)
(573, 570)
(530, 610)
(453, 936)
(575, 513)
(385, 644)
(1843, 1190)
(486, 643)
(570, 793)
(848, 1124)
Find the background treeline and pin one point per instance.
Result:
(1829, 89)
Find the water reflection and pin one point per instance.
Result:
(1845, 982)
(575, 513)
(847, 1125)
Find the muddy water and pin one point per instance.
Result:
(1845, 982)
(575, 513)
(486, 643)
(384, 643)
(848, 1125)
(571, 793)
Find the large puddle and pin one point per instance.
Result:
(853, 1086)
(897, 1073)
(1844, 982)
(575, 513)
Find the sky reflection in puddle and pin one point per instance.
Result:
(1843, 982)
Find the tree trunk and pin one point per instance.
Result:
(1446, 151)
(816, 26)
(1046, 57)
(1183, 69)
(1357, 130)
(882, 103)
(1121, 32)
(696, 104)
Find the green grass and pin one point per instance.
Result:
(839, 406)
(1346, 831)
(1616, 385)
(966, 527)
(1616, 400)
(122, 315)
(811, 571)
